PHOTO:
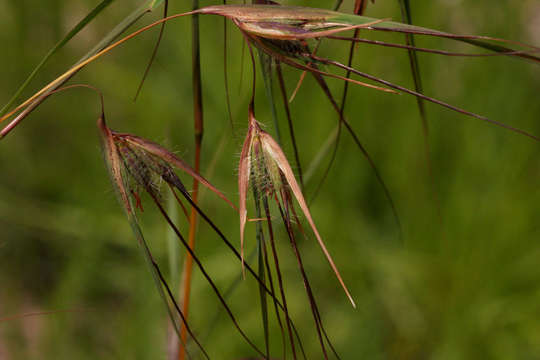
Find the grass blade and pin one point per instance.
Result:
(33, 102)
(80, 25)
(289, 121)
(154, 52)
(413, 59)
(415, 70)
(430, 99)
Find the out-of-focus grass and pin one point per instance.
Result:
(469, 289)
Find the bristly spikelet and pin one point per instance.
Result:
(262, 155)
(141, 169)
(264, 172)
(135, 162)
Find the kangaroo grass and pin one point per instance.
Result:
(250, 270)
(257, 170)
(117, 171)
(259, 142)
(282, 35)
(282, 305)
(271, 178)
(318, 76)
(294, 23)
(259, 23)
(143, 158)
(265, 185)
(141, 166)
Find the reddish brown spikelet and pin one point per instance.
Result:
(169, 158)
(277, 167)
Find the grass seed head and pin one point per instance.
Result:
(262, 154)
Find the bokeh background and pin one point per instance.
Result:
(465, 285)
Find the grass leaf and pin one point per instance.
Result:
(80, 25)
(34, 101)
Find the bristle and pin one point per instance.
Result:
(140, 169)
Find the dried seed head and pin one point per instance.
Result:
(142, 167)
(168, 161)
(262, 150)
(136, 162)
(256, 165)
(287, 22)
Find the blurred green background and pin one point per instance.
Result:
(466, 287)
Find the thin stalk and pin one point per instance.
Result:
(289, 121)
(415, 70)
(280, 279)
(226, 294)
(268, 78)
(282, 306)
(324, 149)
(427, 50)
(118, 169)
(226, 71)
(173, 300)
(199, 130)
(418, 87)
(262, 272)
(318, 76)
(427, 98)
(286, 220)
(359, 8)
(154, 52)
(272, 288)
(205, 274)
(300, 228)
